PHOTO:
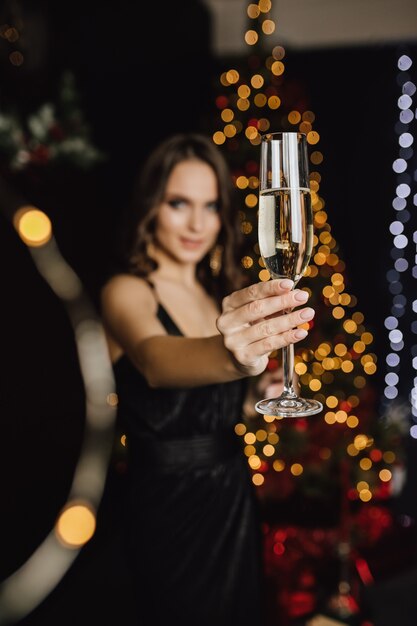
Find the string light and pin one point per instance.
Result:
(28, 586)
(403, 238)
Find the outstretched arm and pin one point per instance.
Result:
(250, 326)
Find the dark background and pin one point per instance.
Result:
(135, 92)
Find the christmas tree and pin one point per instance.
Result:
(330, 470)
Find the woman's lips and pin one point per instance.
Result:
(192, 244)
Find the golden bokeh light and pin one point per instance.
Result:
(359, 347)
(251, 200)
(227, 115)
(352, 450)
(256, 140)
(274, 102)
(264, 275)
(352, 421)
(268, 27)
(273, 438)
(350, 326)
(360, 442)
(243, 91)
(358, 317)
(294, 117)
(365, 495)
(249, 450)
(219, 138)
(253, 11)
(340, 417)
(243, 104)
(365, 464)
(330, 417)
(112, 399)
(251, 37)
(367, 338)
(385, 475)
(296, 469)
(278, 52)
(246, 227)
(229, 130)
(242, 182)
(250, 438)
(300, 368)
(338, 312)
(16, 58)
(257, 81)
(75, 525)
(254, 462)
(9, 32)
(258, 479)
(261, 434)
(277, 68)
(260, 100)
(264, 5)
(313, 137)
(247, 262)
(362, 484)
(268, 449)
(253, 182)
(33, 226)
(232, 76)
(305, 127)
(251, 132)
(359, 382)
(240, 429)
(389, 456)
(332, 402)
(315, 384)
(369, 368)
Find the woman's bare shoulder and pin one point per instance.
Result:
(124, 290)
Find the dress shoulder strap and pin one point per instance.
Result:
(163, 315)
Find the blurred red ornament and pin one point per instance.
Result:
(222, 102)
(252, 167)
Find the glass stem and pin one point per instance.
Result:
(288, 369)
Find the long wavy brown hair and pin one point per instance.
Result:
(149, 192)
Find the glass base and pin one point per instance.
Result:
(288, 407)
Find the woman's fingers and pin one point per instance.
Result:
(250, 353)
(253, 323)
(261, 308)
(266, 331)
(257, 291)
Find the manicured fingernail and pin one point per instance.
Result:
(286, 283)
(301, 295)
(300, 333)
(307, 314)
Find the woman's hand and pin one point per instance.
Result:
(253, 324)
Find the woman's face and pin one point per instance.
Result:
(187, 221)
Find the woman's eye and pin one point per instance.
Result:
(213, 206)
(176, 204)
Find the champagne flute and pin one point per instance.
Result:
(285, 232)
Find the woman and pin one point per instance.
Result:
(182, 350)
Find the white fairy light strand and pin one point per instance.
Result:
(401, 242)
(29, 585)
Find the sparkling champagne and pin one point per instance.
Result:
(286, 231)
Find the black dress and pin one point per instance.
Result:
(193, 529)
